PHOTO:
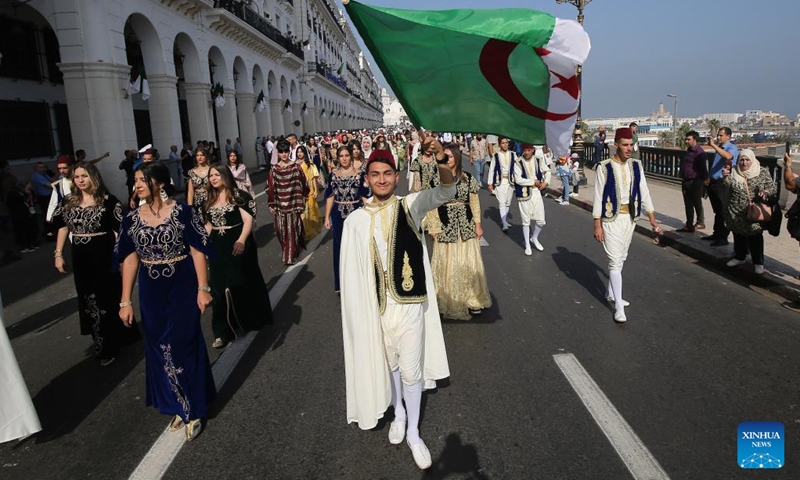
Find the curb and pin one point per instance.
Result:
(768, 281)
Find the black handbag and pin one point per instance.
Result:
(793, 220)
(773, 226)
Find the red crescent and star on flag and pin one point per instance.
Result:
(494, 66)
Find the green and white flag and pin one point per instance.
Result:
(510, 72)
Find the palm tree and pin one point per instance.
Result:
(665, 139)
(713, 125)
(745, 138)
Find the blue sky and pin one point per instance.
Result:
(717, 55)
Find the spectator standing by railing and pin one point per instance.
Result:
(694, 172)
(726, 152)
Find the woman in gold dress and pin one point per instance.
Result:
(312, 220)
(457, 264)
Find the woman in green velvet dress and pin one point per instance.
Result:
(241, 299)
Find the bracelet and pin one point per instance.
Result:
(206, 289)
(125, 304)
(57, 251)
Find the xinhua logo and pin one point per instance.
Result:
(761, 445)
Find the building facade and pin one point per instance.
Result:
(111, 75)
(393, 111)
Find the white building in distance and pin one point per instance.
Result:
(281, 66)
(393, 111)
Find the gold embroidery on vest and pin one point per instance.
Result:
(609, 208)
(408, 274)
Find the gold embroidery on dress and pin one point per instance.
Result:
(408, 274)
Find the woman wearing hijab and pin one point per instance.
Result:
(748, 183)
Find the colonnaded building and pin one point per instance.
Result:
(111, 75)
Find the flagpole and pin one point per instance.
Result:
(577, 135)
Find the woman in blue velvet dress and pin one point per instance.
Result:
(345, 193)
(171, 244)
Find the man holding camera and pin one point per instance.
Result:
(726, 155)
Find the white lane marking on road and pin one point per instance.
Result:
(484, 243)
(632, 451)
(163, 452)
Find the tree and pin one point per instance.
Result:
(683, 129)
(666, 139)
(588, 133)
(745, 138)
(713, 125)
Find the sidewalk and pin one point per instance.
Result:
(782, 253)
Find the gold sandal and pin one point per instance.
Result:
(176, 424)
(193, 429)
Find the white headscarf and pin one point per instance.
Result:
(755, 167)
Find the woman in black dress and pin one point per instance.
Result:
(93, 218)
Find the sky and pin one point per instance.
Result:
(718, 56)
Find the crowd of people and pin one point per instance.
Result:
(201, 253)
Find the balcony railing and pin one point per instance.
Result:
(256, 21)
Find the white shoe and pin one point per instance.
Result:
(528, 251)
(537, 245)
(759, 269)
(624, 303)
(397, 432)
(619, 316)
(421, 455)
(573, 194)
(564, 202)
(733, 262)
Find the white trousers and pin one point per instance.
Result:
(532, 209)
(618, 234)
(504, 193)
(403, 338)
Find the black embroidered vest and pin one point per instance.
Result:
(405, 272)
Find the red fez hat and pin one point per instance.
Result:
(527, 146)
(64, 160)
(149, 151)
(382, 156)
(624, 132)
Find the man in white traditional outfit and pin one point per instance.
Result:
(499, 180)
(389, 312)
(620, 195)
(531, 176)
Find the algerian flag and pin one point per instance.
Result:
(322, 114)
(287, 107)
(340, 70)
(138, 83)
(505, 71)
(304, 110)
(261, 102)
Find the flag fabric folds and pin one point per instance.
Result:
(287, 107)
(510, 72)
(304, 110)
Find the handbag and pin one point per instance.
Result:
(793, 220)
(757, 212)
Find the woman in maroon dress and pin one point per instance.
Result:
(286, 196)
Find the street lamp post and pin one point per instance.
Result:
(674, 119)
(577, 135)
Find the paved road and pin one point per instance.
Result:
(700, 354)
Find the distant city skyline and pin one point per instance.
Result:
(717, 56)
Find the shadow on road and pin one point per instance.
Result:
(580, 268)
(270, 337)
(488, 315)
(456, 459)
(264, 234)
(71, 397)
(45, 319)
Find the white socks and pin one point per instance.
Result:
(397, 398)
(526, 234)
(412, 394)
(536, 231)
(615, 284)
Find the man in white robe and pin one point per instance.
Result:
(393, 344)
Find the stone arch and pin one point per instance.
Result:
(242, 80)
(142, 44)
(273, 88)
(187, 59)
(218, 68)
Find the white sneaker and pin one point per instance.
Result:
(624, 303)
(759, 269)
(564, 202)
(538, 245)
(573, 194)
(733, 262)
(421, 455)
(619, 316)
(397, 432)
(528, 251)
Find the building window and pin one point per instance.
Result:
(19, 45)
(25, 129)
(52, 56)
(63, 131)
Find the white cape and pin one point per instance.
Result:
(18, 418)
(368, 383)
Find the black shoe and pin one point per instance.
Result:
(709, 238)
(719, 243)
